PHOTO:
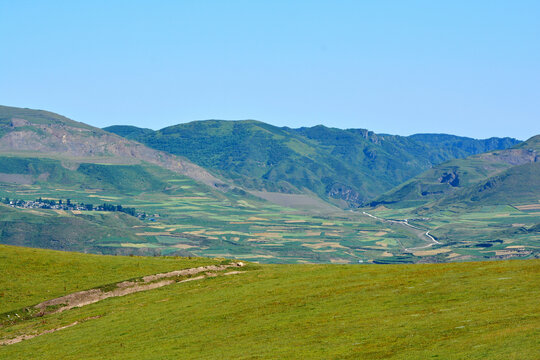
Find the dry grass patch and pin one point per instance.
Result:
(324, 244)
(431, 252)
(183, 246)
(151, 233)
(528, 207)
(134, 245)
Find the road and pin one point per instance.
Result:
(416, 230)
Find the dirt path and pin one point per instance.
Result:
(30, 336)
(87, 297)
(416, 230)
(149, 282)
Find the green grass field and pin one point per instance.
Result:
(473, 310)
(30, 276)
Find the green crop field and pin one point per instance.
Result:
(472, 310)
(487, 232)
(191, 219)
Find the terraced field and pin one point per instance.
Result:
(187, 218)
(488, 232)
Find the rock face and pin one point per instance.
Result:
(481, 170)
(344, 192)
(67, 138)
(450, 178)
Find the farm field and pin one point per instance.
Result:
(488, 232)
(472, 310)
(190, 219)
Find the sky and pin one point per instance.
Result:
(469, 68)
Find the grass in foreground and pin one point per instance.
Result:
(449, 311)
(30, 276)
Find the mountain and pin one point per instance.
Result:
(132, 199)
(45, 134)
(129, 131)
(519, 185)
(187, 210)
(513, 167)
(347, 167)
(43, 154)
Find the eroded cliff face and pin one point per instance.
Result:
(346, 193)
(58, 139)
(512, 156)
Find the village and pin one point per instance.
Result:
(73, 206)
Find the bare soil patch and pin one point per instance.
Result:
(528, 207)
(87, 297)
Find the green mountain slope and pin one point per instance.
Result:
(461, 310)
(348, 167)
(84, 232)
(518, 185)
(193, 213)
(43, 134)
(457, 175)
(190, 211)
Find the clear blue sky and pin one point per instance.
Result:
(463, 67)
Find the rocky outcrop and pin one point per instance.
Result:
(451, 179)
(346, 193)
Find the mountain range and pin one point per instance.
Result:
(346, 167)
(254, 191)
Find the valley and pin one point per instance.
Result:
(257, 180)
(183, 209)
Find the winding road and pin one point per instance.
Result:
(416, 230)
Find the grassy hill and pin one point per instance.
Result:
(519, 185)
(464, 176)
(30, 275)
(192, 213)
(37, 133)
(348, 167)
(450, 311)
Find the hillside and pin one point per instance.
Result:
(519, 185)
(175, 214)
(454, 177)
(348, 167)
(461, 310)
(30, 275)
(185, 217)
(43, 134)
